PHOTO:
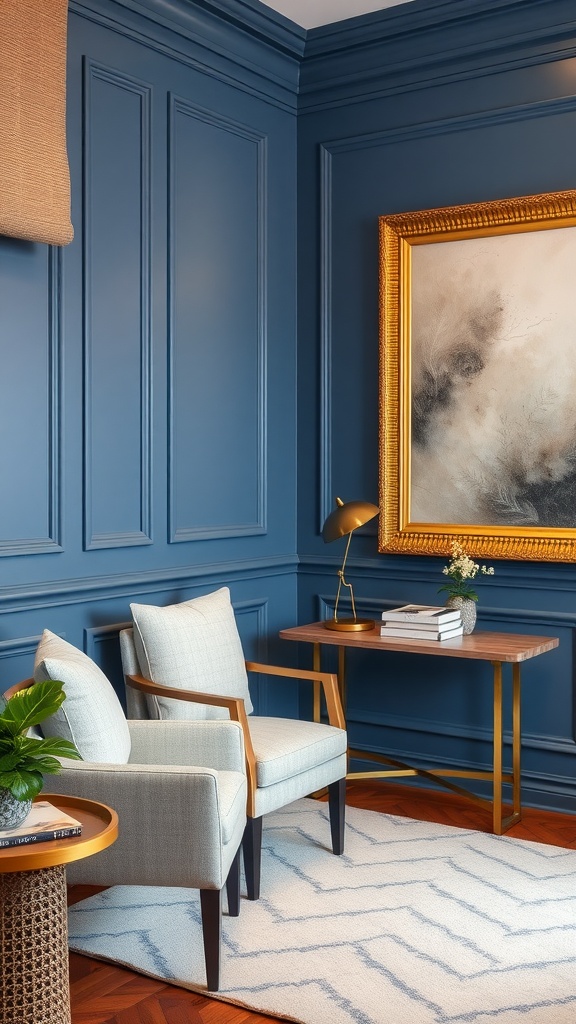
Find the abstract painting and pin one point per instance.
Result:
(478, 379)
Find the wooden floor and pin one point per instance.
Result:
(105, 994)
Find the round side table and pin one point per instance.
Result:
(34, 979)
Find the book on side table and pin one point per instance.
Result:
(43, 823)
(422, 622)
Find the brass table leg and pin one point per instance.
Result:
(317, 667)
(500, 824)
(316, 684)
(342, 677)
(497, 751)
(516, 739)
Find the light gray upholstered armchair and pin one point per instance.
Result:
(185, 662)
(179, 790)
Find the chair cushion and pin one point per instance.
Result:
(285, 747)
(91, 715)
(193, 646)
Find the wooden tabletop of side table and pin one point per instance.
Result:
(478, 646)
(34, 982)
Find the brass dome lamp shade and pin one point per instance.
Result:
(347, 517)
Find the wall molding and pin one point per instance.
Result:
(397, 50)
(325, 426)
(53, 542)
(528, 616)
(180, 534)
(448, 125)
(258, 54)
(21, 646)
(90, 589)
(258, 684)
(93, 71)
(423, 570)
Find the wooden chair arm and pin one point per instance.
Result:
(23, 685)
(236, 709)
(328, 681)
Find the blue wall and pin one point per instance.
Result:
(148, 384)
(178, 416)
(425, 105)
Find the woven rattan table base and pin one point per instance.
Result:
(34, 983)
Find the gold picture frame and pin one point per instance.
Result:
(478, 379)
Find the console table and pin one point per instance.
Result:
(34, 981)
(497, 648)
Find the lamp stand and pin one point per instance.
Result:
(353, 625)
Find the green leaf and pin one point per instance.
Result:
(8, 761)
(24, 785)
(31, 706)
(52, 745)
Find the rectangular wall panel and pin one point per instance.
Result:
(30, 306)
(217, 198)
(117, 315)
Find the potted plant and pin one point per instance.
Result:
(24, 759)
(461, 569)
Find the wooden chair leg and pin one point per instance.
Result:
(211, 907)
(233, 886)
(337, 809)
(252, 850)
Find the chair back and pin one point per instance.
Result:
(195, 646)
(136, 703)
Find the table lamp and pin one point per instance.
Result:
(347, 517)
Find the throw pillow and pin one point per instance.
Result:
(193, 646)
(91, 715)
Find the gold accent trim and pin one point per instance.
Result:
(398, 235)
(349, 625)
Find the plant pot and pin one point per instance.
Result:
(467, 608)
(12, 811)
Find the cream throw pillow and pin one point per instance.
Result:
(91, 715)
(193, 646)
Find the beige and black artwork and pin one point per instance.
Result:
(478, 379)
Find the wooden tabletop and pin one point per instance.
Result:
(99, 830)
(478, 645)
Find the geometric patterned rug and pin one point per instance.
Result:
(416, 923)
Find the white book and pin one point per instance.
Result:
(425, 613)
(421, 634)
(430, 627)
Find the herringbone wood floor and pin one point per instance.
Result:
(104, 994)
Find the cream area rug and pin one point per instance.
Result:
(415, 924)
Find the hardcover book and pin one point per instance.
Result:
(430, 627)
(414, 633)
(44, 822)
(421, 613)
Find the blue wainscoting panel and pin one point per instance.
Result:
(217, 326)
(117, 309)
(30, 395)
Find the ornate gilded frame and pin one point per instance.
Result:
(479, 330)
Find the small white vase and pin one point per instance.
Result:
(467, 608)
(12, 811)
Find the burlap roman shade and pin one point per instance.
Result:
(34, 174)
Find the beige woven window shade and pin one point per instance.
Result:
(34, 173)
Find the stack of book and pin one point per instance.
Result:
(422, 622)
(43, 823)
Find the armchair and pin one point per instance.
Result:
(179, 791)
(185, 661)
